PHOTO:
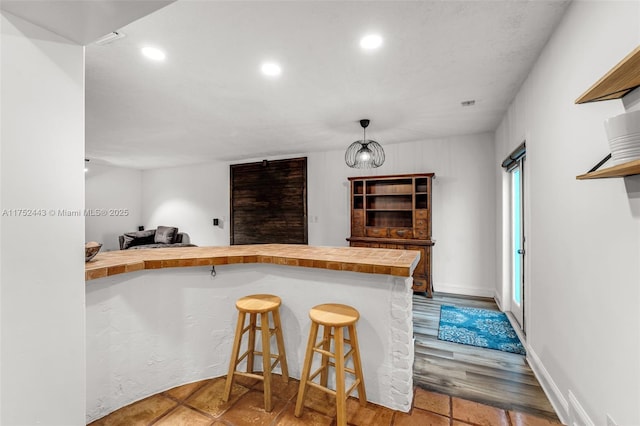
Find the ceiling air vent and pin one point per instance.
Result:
(109, 38)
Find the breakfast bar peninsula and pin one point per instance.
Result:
(159, 318)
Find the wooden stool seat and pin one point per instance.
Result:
(258, 305)
(334, 315)
(334, 318)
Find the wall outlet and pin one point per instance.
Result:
(610, 421)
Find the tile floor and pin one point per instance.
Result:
(200, 404)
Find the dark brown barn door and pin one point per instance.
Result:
(269, 202)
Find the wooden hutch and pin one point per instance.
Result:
(395, 212)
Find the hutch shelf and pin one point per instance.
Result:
(395, 212)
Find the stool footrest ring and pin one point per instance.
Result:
(347, 369)
(251, 375)
(315, 373)
(322, 388)
(323, 352)
(244, 355)
(353, 386)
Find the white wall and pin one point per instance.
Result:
(188, 198)
(42, 368)
(463, 203)
(583, 237)
(113, 201)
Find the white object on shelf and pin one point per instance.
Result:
(623, 133)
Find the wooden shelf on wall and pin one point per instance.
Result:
(615, 84)
(619, 81)
(621, 170)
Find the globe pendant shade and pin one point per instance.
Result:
(364, 154)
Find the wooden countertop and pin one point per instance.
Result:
(355, 259)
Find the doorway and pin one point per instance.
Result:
(517, 241)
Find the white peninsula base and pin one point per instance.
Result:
(152, 330)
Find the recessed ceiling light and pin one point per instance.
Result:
(153, 53)
(271, 69)
(371, 41)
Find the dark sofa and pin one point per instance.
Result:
(161, 237)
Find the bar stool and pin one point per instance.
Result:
(253, 305)
(334, 318)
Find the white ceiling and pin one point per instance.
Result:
(81, 21)
(208, 100)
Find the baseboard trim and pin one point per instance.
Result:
(498, 300)
(558, 401)
(577, 415)
(466, 291)
(516, 327)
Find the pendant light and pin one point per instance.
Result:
(365, 153)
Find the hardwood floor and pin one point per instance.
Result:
(488, 376)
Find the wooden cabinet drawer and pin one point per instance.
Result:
(421, 234)
(401, 233)
(358, 244)
(419, 284)
(421, 224)
(357, 231)
(422, 214)
(377, 232)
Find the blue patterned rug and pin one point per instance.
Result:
(478, 327)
